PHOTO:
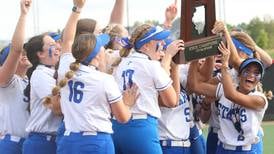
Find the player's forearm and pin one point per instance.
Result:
(207, 68)
(265, 57)
(174, 74)
(117, 13)
(69, 32)
(166, 61)
(229, 89)
(234, 58)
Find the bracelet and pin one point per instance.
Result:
(76, 9)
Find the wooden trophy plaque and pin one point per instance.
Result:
(197, 44)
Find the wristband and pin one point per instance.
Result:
(76, 9)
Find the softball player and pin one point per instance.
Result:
(241, 109)
(143, 68)
(196, 138)
(43, 123)
(242, 46)
(174, 124)
(13, 105)
(87, 95)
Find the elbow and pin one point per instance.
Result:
(173, 102)
(268, 64)
(124, 119)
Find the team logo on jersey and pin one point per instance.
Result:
(237, 115)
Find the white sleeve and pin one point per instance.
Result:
(183, 69)
(42, 83)
(65, 61)
(219, 90)
(257, 93)
(112, 90)
(161, 79)
(10, 83)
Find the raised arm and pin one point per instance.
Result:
(264, 56)
(8, 69)
(206, 68)
(117, 13)
(220, 27)
(70, 29)
(170, 14)
(252, 102)
(174, 75)
(196, 84)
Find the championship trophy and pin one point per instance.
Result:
(199, 41)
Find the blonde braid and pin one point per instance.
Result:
(56, 90)
(82, 46)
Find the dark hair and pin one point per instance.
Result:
(34, 45)
(85, 26)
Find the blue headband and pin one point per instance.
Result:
(154, 33)
(248, 61)
(242, 47)
(124, 42)
(4, 54)
(55, 36)
(101, 40)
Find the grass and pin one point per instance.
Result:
(268, 138)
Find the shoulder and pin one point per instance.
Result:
(260, 94)
(11, 82)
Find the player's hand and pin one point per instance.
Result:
(174, 47)
(219, 27)
(25, 6)
(130, 95)
(225, 53)
(79, 3)
(171, 12)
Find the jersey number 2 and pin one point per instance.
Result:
(75, 93)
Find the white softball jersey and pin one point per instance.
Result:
(250, 120)
(42, 119)
(174, 123)
(214, 119)
(14, 107)
(150, 78)
(86, 99)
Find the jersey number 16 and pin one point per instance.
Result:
(75, 93)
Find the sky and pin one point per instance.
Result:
(52, 14)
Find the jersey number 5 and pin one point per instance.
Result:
(75, 91)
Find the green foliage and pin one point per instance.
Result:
(262, 31)
(262, 39)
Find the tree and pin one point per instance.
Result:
(262, 39)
